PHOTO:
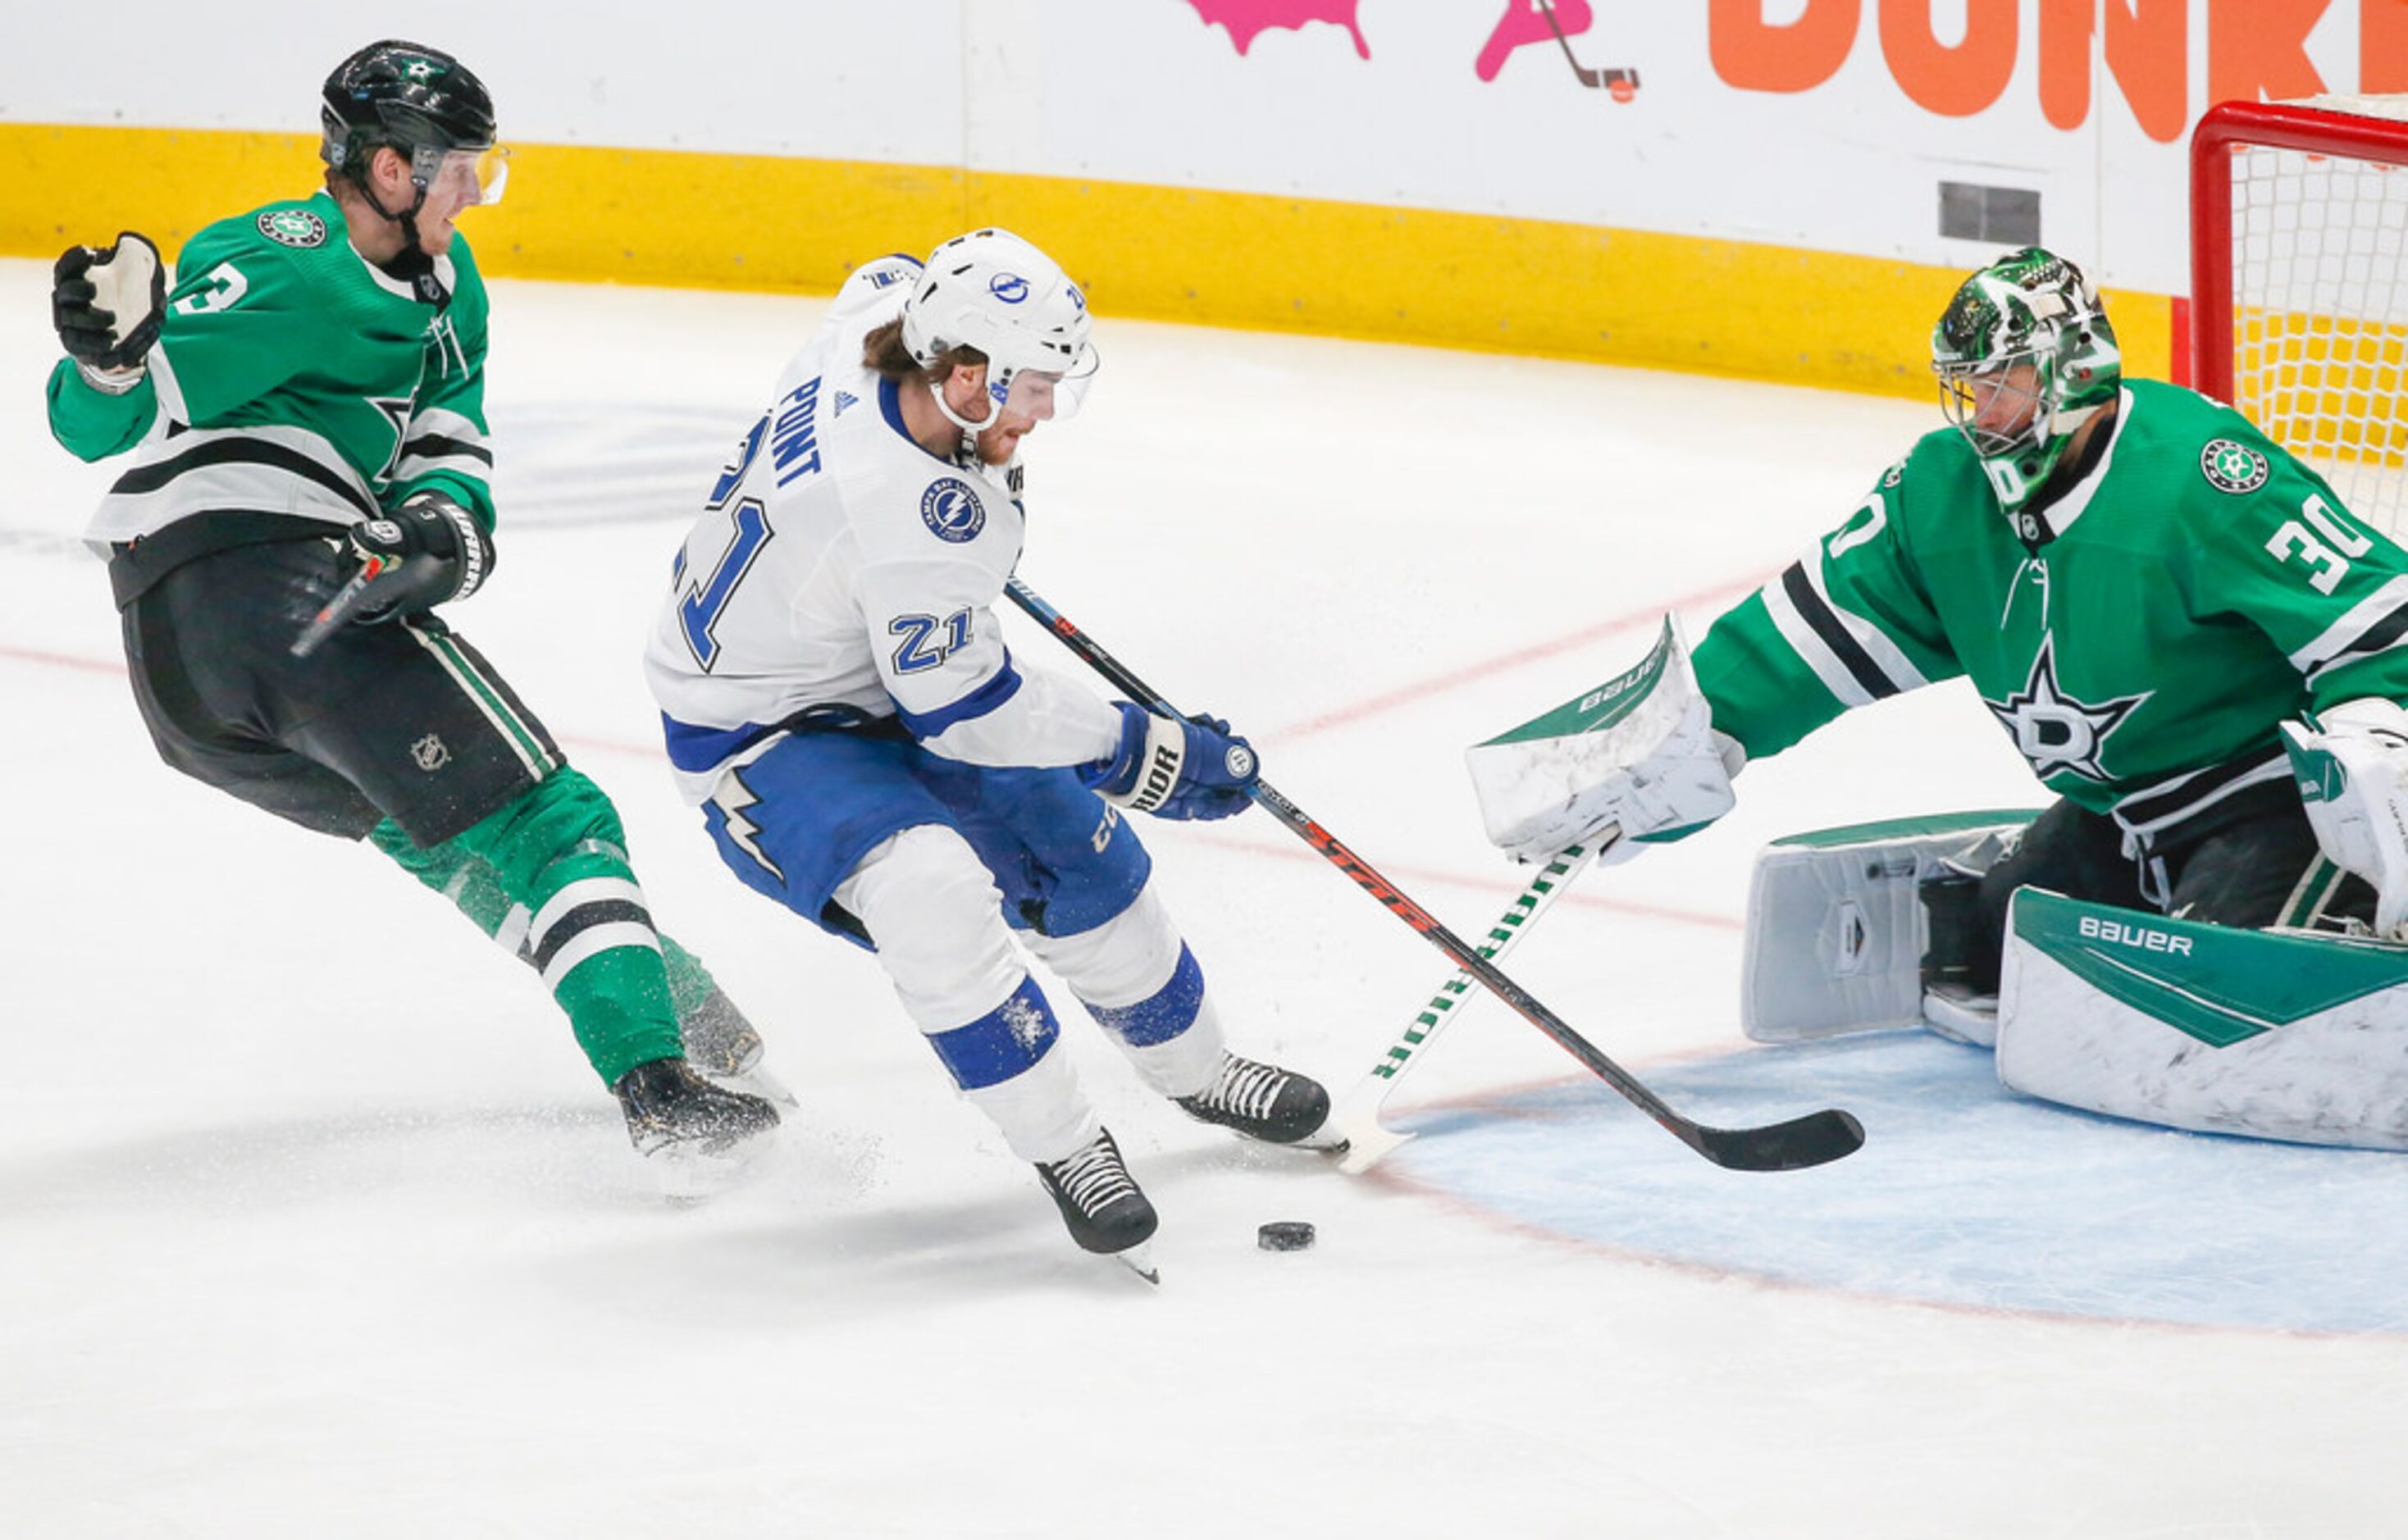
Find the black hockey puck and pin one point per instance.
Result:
(1284, 1236)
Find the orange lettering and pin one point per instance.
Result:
(2065, 28)
(2148, 47)
(1799, 55)
(2148, 51)
(2258, 49)
(2382, 45)
(1955, 82)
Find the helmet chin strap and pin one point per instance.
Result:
(412, 259)
(969, 430)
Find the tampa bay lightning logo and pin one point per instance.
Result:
(952, 511)
(1011, 288)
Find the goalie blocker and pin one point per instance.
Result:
(1638, 753)
(2274, 1034)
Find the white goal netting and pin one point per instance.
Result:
(2320, 307)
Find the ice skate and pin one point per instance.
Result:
(1260, 1101)
(722, 1045)
(1101, 1205)
(718, 1040)
(698, 1138)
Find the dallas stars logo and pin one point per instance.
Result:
(293, 227)
(2055, 732)
(2231, 468)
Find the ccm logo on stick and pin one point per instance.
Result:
(2134, 936)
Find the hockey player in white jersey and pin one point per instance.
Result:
(838, 700)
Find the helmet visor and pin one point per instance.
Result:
(485, 169)
(1045, 394)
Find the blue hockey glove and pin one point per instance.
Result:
(1173, 769)
(428, 551)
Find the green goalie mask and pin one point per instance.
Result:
(2024, 357)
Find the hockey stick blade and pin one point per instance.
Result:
(1802, 1142)
(1818, 1139)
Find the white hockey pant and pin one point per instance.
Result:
(936, 916)
(1137, 978)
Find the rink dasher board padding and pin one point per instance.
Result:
(2269, 1034)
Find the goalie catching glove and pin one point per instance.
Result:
(1175, 769)
(2352, 767)
(428, 551)
(1638, 753)
(107, 307)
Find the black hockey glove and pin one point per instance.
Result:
(108, 305)
(428, 551)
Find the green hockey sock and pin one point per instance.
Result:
(550, 873)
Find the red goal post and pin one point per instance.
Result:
(2299, 304)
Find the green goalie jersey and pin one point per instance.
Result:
(2198, 585)
(292, 377)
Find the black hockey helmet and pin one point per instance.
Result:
(420, 100)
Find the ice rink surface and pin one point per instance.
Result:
(313, 1223)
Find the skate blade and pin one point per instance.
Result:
(1138, 1259)
(692, 1173)
(759, 1082)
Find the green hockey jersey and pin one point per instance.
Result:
(292, 377)
(2194, 588)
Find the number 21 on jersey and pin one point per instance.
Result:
(928, 641)
(699, 606)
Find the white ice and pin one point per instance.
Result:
(313, 1223)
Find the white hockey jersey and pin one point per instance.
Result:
(838, 563)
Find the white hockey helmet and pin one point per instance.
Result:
(992, 291)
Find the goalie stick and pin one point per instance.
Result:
(1357, 1118)
(1811, 1140)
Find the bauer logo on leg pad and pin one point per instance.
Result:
(2277, 1036)
(2218, 984)
(2097, 927)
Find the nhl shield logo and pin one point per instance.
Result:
(952, 511)
(296, 227)
(430, 753)
(2231, 468)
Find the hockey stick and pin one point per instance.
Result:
(1808, 1141)
(338, 609)
(1626, 78)
(1357, 1118)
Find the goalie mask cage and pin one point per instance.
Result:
(2300, 284)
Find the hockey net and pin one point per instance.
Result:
(2300, 284)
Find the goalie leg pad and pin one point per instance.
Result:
(1835, 927)
(2211, 1028)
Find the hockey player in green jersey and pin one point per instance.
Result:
(310, 483)
(2150, 596)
